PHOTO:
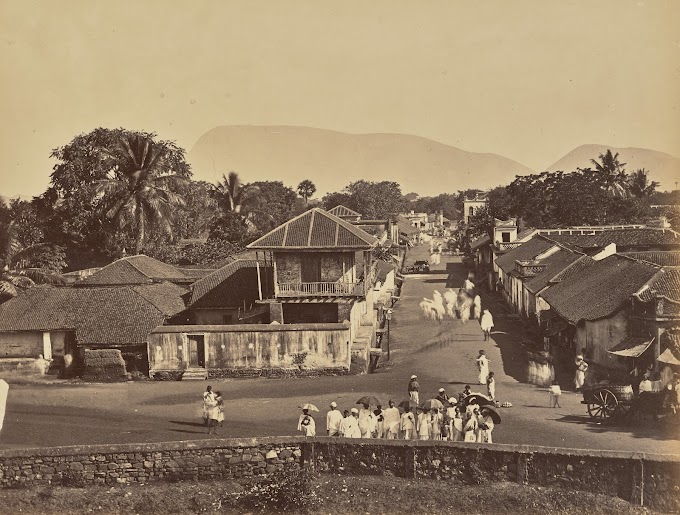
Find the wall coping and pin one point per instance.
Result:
(221, 443)
(247, 328)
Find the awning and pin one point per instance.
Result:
(631, 347)
(668, 357)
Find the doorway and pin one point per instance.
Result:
(196, 350)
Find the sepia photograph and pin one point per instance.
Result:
(346, 257)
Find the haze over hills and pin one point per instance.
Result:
(333, 159)
(662, 167)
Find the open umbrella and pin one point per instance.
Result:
(370, 400)
(479, 399)
(491, 411)
(309, 406)
(431, 404)
(408, 405)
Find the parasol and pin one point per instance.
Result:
(432, 404)
(479, 399)
(309, 406)
(491, 411)
(408, 405)
(370, 400)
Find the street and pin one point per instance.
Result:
(441, 354)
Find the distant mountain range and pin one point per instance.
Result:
(662, 167)
(333, 159)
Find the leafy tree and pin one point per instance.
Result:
(376, 200)
(276, 204)
(200, 207)
(23, 267)
(230, 227)
(306, 189)
(139, 190)
(74, 214)
(331, 200)
(639, 184)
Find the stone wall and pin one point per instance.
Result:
(140, 463)
(652, 480)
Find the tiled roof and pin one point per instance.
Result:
(632, 347)
(480, 242)
(230, 285)
(100, 316)
(134, 270)
(575, 268)
(600, 289)
(341, 211)
(166, 297)
(384, 268)
(196, 273)
(405, 227)
(623, 238)
(666, 284)
(661, 258)
(316, 229)
(525, 233)
(528, 250)
(555, 263)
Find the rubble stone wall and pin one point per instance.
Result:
(649, 480)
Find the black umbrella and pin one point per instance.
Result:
(479, 399)
(370, 400)
(491, 411)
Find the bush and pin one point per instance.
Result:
(280, 492)
(170, 375)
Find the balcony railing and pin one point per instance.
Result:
(336, 289)
(529, 268)
(500, 245)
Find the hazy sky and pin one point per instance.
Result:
(526, 79)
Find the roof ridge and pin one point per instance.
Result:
(126, 258)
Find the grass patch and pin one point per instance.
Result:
(320, 494)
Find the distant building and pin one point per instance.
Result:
(472, 205)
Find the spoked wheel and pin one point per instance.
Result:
(602, 405)
(623, 410)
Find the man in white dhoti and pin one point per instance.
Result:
(391, 422)
(367, 422)
(483, 366)
(349, 428)
(333, 420)
(486, 323)
(4, 390)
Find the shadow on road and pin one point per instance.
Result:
(183, 423)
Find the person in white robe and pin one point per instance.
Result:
(483, 367)
(306, 424)
(4, 391)
(333, 420)
(391, 422)
(486, 324)
(349, 427)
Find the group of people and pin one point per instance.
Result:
(213, 410)
(456, 420)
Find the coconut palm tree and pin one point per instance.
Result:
(18, 270)
(233, 197)
(614, 173)
(639, 184)
(140, 189)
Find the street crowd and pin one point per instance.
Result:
(469, 417)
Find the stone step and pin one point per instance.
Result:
(195, 374)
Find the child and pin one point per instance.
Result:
(555, 392)
(491, 386)
(220, 408)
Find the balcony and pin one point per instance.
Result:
(504, 246)
(321, 289)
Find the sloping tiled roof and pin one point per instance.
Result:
(666, 284)
(479, 242)
(575, 268)
(315, 229)
(555, 263)
(240, 284)
(100, 316)
(196, 273)
(528, 250)
(623, 238)
(341, 211)
(525, 233)
(661, 258)
(166, 297)
(384, 268)
(405, 227)
(134, 270)
(632, 347)
(600, 289)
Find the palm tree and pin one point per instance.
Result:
(639, 184)
(16, 270)
(306, 189)
(141, 190)
(232, 196)
(614, 173)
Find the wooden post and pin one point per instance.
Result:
(259, 279)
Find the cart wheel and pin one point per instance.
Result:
(602, 404)
(623, 410)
